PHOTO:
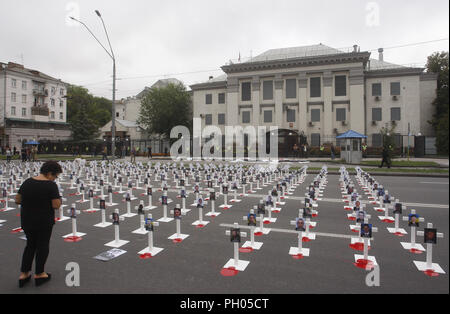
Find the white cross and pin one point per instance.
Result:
(367, 261)
(397, 230)
(252, 244)
(413, 246)
(116, 243)
(74, 236)
(178, 236)
(238, 264)
(299, 250)
(165, 218)
(104, 223)
(150, 249)
(212, 213)
(428, 266)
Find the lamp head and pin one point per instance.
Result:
(98, 13)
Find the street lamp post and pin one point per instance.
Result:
(111, 55)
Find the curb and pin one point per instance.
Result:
(390, 174)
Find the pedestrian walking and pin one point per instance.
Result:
(149, 152)
(386, 159)
(333, 152)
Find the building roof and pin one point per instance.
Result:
(11, 66)
(351, 134)
(159, 84)
(127, 123)
(296, 52)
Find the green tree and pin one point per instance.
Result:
(164, 108)
(86, 113)
(438, 63)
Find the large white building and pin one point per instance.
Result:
(33, 106)
(318, 92)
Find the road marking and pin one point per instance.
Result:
(323, 234)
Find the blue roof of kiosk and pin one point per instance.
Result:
(33, 142)
(351, 134)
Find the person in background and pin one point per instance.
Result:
(149, 152)
(386, 159)
(133, 154)
(333, 152)
(8, 154)
(105, 153)
(34, 151)
(364, 149)
(39, 198)
(23, 153)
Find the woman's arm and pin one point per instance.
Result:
(56, 203)
(18, 198)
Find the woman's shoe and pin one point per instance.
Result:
(40, 281)
(23, 281)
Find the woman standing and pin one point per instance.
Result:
(39, 197)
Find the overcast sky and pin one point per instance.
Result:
(170, 38)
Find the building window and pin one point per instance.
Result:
(340, 85)
(376, 89)
(117, 114)
(246, 117)
(24, 99)
(24, 85)
(61, 92)
(61, 116)
(208, 99)
(377, 140)
(52, 115)
(315, 115)
(13, 97)
(314, 87)
(13, 111)
(221, 119)
(376, 114)
(246, 90)
(340, 114)
(267, 90)
(221, 98)
(53, 91)
(291, 88)
(24, 112)
(395, 114)
(315, 139)
(267, 116)
(208, 119)
(13, 83)
(52, 102)
(290, 115)
(61, 104)
(395, 88)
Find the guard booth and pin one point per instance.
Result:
(350, 143)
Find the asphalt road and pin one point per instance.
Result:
(194, 265)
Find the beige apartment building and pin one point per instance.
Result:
(33, 106)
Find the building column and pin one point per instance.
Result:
(356, 109)
(302, 114)
(327, 104)
(279, 82)
(256, 86)
(232, 114)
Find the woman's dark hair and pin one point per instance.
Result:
(51, 167)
